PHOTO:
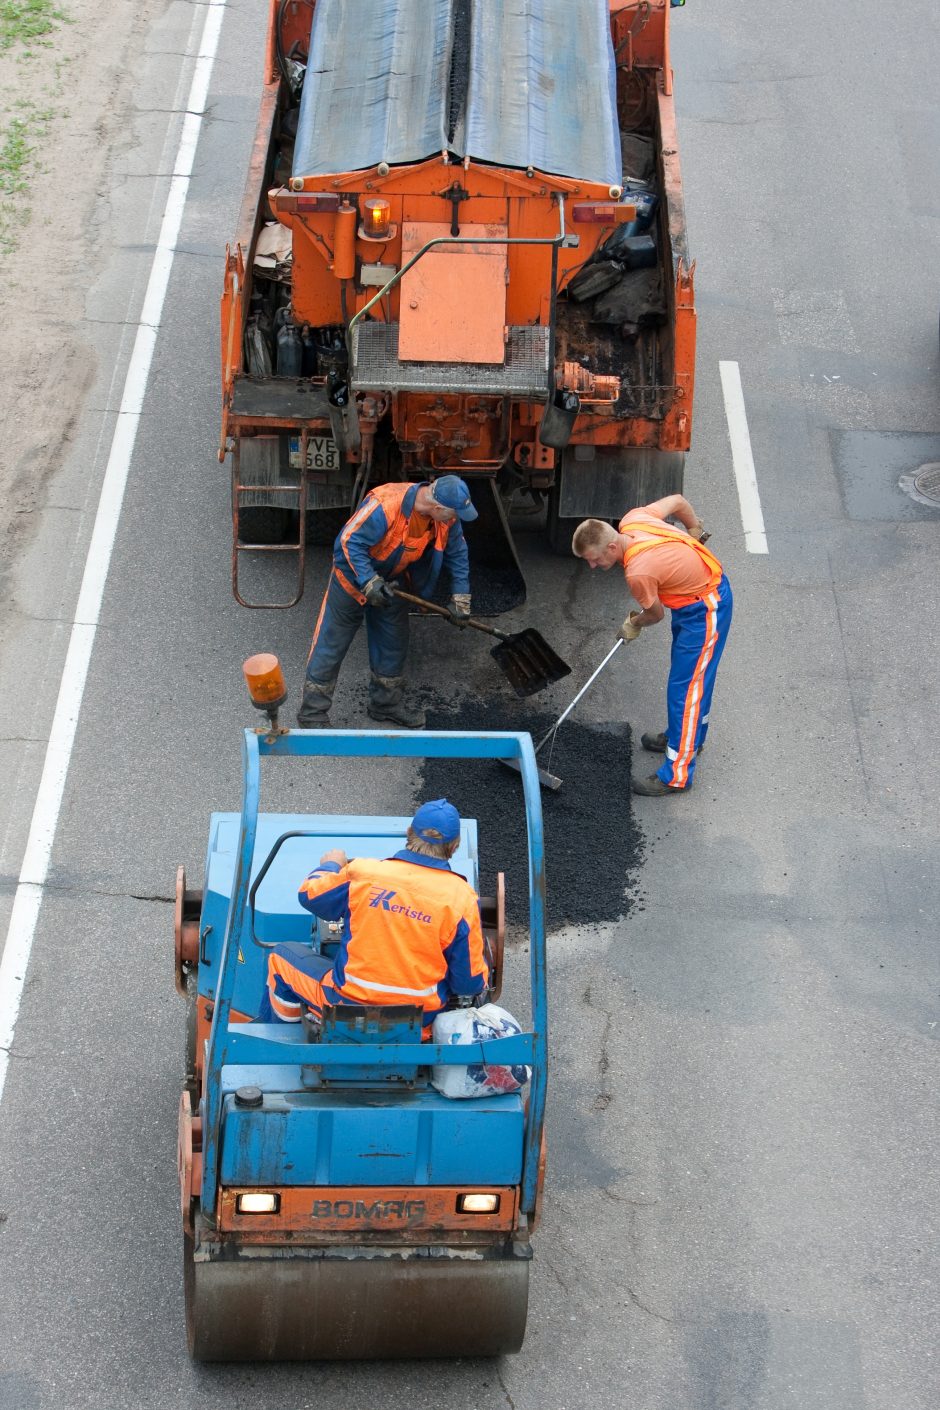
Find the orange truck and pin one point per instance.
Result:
(461, 249)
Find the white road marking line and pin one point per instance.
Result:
(42, 830)
(755, 539)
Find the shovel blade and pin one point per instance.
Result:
(528, 662)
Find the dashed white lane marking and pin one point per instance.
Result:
(752, 517)
(35, 867)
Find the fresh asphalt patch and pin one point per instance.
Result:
(593, 846)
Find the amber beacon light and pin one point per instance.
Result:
(266, 685)
(376, 218)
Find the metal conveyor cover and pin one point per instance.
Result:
(399, 80)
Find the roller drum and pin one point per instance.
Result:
(266, 1304)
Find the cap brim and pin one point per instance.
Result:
(468, 513)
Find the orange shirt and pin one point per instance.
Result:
(675, 569)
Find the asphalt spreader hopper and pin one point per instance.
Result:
(335, 1204)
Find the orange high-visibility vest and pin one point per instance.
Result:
(408, 926)
(389, 499)
(660, 535)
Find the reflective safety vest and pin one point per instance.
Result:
(398, 547)
(412, 931)
(669, 535)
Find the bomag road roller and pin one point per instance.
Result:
(461, 249)
(335, 1205)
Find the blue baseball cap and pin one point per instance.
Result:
(437, 822)
(452, 493)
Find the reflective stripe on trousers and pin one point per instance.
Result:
(699, 632)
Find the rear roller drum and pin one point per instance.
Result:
(307, 1305)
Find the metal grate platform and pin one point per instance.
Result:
(376, 367)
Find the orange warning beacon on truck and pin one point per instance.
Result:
(461, 250)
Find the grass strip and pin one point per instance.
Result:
(28, 21)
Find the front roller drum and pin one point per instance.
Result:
(264, 1304)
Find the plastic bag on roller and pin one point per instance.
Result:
(477, 1079)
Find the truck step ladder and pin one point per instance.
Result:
(299, 492)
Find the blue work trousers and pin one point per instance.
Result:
(284, 1001)
(699, 633)
(339, 620)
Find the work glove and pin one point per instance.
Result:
(378, 592)
(629, 631)
(460, 604)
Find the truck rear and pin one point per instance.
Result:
(461, 250)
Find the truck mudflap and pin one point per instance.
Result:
(257, 1303)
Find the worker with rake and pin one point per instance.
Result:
(665, 567)
(401, 533)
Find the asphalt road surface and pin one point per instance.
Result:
(742, 1208)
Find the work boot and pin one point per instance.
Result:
(656, 743)
(314, 712)
(386, 702)
(653, 787)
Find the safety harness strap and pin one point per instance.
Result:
(660, 535)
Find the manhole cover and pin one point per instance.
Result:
(924, 484)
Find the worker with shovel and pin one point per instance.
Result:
(401, 533)
(665, 567)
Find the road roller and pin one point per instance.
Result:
(335, 1205)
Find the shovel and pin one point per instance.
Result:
(546, 779)
(525, 658)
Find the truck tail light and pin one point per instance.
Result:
(305, 201)
(602, 213)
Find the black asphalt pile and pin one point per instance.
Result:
(492, 590)
(592, 844)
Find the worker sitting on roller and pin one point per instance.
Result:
(412, 931)
(404, 534)
(665, 567)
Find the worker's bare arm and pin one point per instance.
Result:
(676, 506)
(649, 616)
(335, 855)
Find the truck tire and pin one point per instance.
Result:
(266, 524)
(324, 524)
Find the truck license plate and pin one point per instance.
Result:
(322, 453)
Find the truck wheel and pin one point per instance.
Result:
(324, 524)
(267, 524)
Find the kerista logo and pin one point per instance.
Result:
(382, 898)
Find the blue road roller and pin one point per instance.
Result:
(335, 1205)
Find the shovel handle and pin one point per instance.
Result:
(445, 612)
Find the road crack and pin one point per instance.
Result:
(509, 1400)
(604, 1095)
(644, 1307)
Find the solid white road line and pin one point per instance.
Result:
(33, 873)
(755, 539)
